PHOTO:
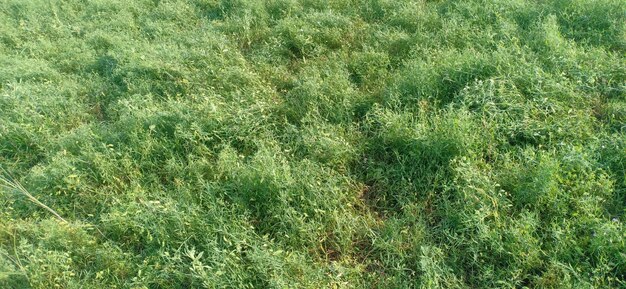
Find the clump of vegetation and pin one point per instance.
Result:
(313, 144)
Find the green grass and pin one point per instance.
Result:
(313, 144)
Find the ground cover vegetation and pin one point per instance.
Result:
(313, 144)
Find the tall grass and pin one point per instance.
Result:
(313, 144)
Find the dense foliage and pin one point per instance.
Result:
(313, 144)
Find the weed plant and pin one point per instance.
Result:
(313, 144)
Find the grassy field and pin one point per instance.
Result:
(312, 144)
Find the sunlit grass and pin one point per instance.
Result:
(312, 144)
